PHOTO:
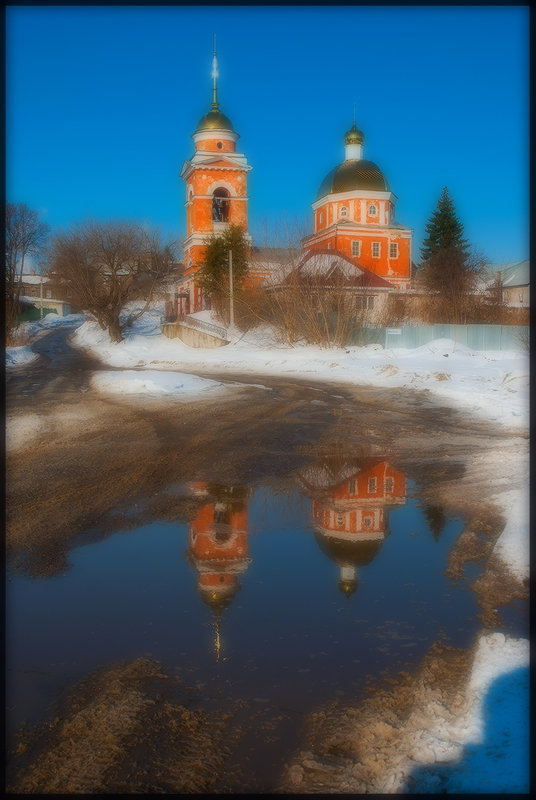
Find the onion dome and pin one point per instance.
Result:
(218, 600)
(354, 136)
(345, 552)
(353, 174)
(215, 120)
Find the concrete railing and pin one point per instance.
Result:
(206, 327)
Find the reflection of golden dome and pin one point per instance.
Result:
(218, 599)
(349, 552)
(214, 120)
(347, 587)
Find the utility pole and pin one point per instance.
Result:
(231, 307)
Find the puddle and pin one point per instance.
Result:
(281, 595)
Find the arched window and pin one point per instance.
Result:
(344, 211)
(220, 205)
(373, 211)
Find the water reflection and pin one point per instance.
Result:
(348, 510)
(218, 547)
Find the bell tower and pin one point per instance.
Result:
(216, 188)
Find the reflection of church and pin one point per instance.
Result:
(218, 547)
(348, 500)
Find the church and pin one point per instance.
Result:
(353, 212)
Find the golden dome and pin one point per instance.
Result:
(214, 120)
(354, 136)
(353, 174)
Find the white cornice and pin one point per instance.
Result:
(189, 167)
(198, 238)
(359, 194)
(359, 228)
(215, 133)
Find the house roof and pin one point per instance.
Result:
(34, 280)
(516, 273)
(320, 263)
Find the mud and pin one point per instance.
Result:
(129, 728)
(372, 747)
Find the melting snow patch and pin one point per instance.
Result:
(153, 382)
(17, 356)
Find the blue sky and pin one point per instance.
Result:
(102, 102)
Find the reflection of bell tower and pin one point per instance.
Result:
(216, 189)
(348, 511)
(218, 546)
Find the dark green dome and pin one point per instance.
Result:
(348, 552)
(353, 174)
(215, 120)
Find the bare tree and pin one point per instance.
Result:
(101, 267)
(25, 235)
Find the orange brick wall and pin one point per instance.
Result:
(212, 144)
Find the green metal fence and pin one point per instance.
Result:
(477, 337)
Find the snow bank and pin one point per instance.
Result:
(512, 546)
(17, 356)
(487, 746)
(493, 385)
(154, 383)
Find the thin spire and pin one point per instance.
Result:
(215, 106)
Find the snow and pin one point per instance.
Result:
(487, 745)
(18, 356)
(512, 547)
(492, 385)
(154, 383)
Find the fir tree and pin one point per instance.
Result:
(214, 272)
(443, 230)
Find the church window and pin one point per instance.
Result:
(389, 485)
(48, 293)
(321, 217)
(220, 205)
(393, 250)
(356, 248)
(340, 520)
(371, 485)
(219, 145)
(367, 522)
(344, 211)
(373, 211)
(375, 249)
(352, 486)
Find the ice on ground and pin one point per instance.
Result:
(154, 383)
(17, 356)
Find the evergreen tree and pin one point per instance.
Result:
(214, 273)
(448, 271)
(443, 230)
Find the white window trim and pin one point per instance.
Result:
(344, 211)
(372, 213)
(358, 243)
(395, 245)
(379, 249)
